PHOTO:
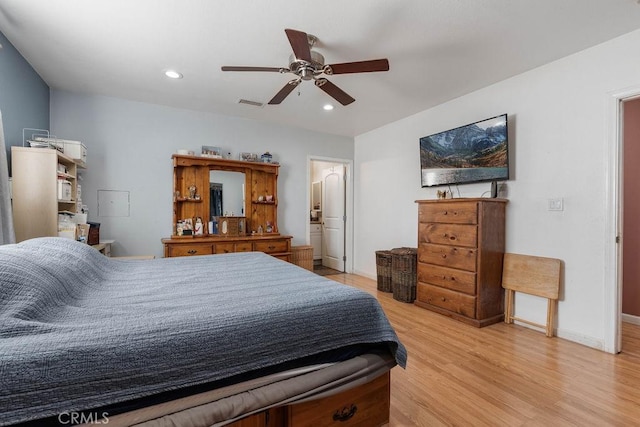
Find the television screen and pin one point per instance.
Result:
(471, 153)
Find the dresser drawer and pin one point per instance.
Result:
(225, 248)
(449, 212)
(450, 278)
(190, 250)
(244, 247)
(449, 300)
(363, 406)
(448, 256)
(448, 234)
(272, 246)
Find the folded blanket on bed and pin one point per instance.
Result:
(79, 330)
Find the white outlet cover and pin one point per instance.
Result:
(556, 204)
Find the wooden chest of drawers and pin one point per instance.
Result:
(460, 250)
(275, 245)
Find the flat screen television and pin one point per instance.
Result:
(472, 153)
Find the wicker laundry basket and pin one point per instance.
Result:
(302, 256)
(383, 269)
(403, 273)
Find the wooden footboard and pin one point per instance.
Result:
(366, 405)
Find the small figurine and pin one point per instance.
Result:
(192, 191)
(198, 230)
(442, 194)
(266, 157)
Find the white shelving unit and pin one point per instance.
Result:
(35, 190)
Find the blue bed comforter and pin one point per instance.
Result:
(79, 330)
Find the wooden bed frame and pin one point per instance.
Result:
(365, 405)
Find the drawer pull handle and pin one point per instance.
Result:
(192, 251)
(445, 212)
(345, 414)
(443, 298)
(444, 255)
(226, 251)
(271, 248)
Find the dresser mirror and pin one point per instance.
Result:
(227, 193)
(246, 190)
(316, 195)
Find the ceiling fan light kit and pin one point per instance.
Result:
(308, 64)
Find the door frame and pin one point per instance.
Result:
(348, 226)
(613, 220)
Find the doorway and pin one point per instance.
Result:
(329, 214)
(614, 221)
(630, 132)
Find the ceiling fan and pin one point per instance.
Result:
(308, 64)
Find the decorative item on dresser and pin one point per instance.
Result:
(460, 251)
(256, 229)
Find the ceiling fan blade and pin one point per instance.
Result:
(358, 67)
(300, 44)
(334, 91)
(273, 69)
(284, 92)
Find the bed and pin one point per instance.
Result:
(205, 340)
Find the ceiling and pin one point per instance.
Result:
(438, 50)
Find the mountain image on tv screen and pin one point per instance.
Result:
(475, 152)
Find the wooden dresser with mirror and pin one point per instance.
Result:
(240, 199)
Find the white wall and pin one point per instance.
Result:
(558, 118)
(130, 146)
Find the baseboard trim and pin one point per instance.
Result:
(365, 274)
(630, 318)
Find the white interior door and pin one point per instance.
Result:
(333, 217)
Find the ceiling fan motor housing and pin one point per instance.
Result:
(304, 69)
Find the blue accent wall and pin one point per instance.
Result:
(24, 96)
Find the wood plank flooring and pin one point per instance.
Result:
(504, 375)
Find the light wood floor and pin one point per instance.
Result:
(504, 375)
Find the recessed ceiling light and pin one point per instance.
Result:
(328, 107)
(173, 74)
